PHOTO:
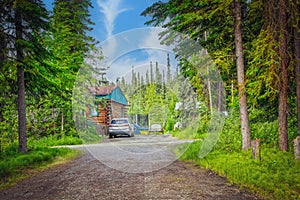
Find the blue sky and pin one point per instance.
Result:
(115, 16)
(120, 20)
(118, 15)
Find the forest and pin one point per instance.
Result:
(255, 47)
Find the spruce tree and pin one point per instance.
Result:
(71, 43)
(22, 22)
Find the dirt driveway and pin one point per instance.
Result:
(121, 175)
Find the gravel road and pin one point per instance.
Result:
(143, 167)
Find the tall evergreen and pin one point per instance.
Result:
(22, 22)
(263, 51)
(147, 77)
(151, 73)
(195, 19)
(169, 76)
(296, 30)
(158, 76)
(71, 43)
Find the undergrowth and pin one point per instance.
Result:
(14, 165)
(54, 141)
(275, 176)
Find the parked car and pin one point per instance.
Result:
(120, 126)
(156, 128)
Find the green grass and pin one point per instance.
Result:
(21, 165)
(275, 176)
(15, 166)
(187, 133)
(54, 141)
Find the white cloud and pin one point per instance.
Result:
(136, 48)
(111, 10)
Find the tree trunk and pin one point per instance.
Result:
(208, 80)
(283, 77)
(62, 122)
(21, 84)
(245, 128)
(209, 91)
(297, 68)
(255, 145)
(232, 93)
(297, 148)
(220, 93)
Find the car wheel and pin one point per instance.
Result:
(110, 136)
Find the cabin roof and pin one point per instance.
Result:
(112, 92)
(102, 90)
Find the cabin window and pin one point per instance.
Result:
(94, 111)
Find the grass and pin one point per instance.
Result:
(22, 165)
(16, 166)
(186, 133)
(54, 141)
(275, 176)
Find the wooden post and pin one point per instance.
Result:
(297, 147)
(255, 145)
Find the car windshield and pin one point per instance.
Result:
(119, 121)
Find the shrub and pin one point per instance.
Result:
(230, 139)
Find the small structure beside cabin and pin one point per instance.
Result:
(110, 102)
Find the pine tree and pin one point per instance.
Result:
(169, 76)
(147, 78)
(151, 73)
(296, 30)
(21, 23)
(71, 43)
(195, 18)
(158, 76)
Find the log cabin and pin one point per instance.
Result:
(110, 103)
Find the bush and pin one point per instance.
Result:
(230, 139)
(267, 132)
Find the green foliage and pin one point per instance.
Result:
(204, 120)
(231, 139)
(266, 132)
(12, 163)
(192, 151)
(15, 164)
(155, 98)
(186, 133)
(263, 68)
(275, 176)
(53, 140)
(90, 135)
(53, 51)
(8, 126)
(169, 124)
